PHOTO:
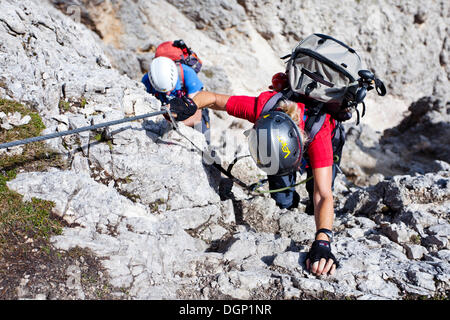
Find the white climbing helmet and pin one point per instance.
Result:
(163, 74)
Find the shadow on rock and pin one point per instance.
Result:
(419, 144)
(421, 139)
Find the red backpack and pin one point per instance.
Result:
(179, 52)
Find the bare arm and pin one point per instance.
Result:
(206, 99)
(324, 215)
(212, 100)
(323, 200)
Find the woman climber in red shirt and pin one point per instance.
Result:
(281, 130)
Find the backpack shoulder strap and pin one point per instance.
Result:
(314, 122)
(315, 126)
(338, 137)
(181, 75)
(271, 103)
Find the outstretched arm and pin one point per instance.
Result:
(183, 108)
(212, 100)
(324, 216)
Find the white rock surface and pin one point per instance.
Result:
(159, 218)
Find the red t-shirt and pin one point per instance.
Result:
(320, 150)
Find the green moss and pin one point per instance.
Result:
(64, 106)
(101, 137)
(98, 137)
(35, 155)
(128, 179)
(83, 102)
(154, 206)
(23, 220)
(416, 239)
(32, 219)
(132, 197)
(32, 129)
(26, 227)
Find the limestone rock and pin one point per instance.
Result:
(165, 224)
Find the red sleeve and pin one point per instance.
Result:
(243, 107)
(320, 150)
(248, 108)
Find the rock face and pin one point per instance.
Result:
(253, 35)
(165, 224)
(392, 241)
(417, 144)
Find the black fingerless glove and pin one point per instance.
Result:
(321, 249)
(183, 107)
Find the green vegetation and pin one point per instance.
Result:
(64, 106)
(35, 156)
(132, 197)
(98, 137)
(83, 102)
(154, 206)
(101, 137)
(23, 220)
(33, 128)
(26, 227)
(416, 239)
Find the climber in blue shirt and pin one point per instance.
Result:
(167, 80)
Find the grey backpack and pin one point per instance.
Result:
(326, 70)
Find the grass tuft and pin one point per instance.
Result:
(20, 220)
(35, 156)
(23, 220)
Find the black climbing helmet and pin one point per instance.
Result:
(276, 144)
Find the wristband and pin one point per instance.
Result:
(328, 232)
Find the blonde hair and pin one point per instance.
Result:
(292, 110)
